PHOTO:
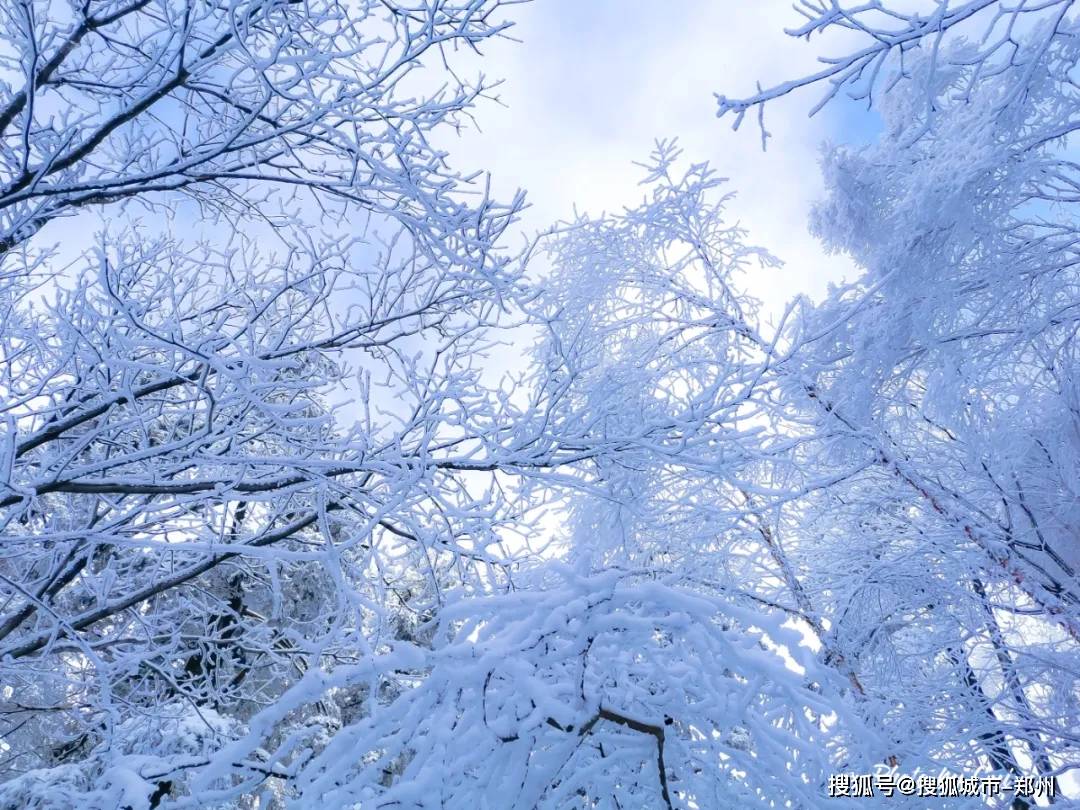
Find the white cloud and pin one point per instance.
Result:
(594, 82)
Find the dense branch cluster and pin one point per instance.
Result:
(279, 528)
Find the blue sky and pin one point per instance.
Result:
(593, 82)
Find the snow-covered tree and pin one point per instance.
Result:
(946, 374)
(189, 524)
(274, 534)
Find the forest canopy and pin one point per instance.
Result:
(282, 526)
